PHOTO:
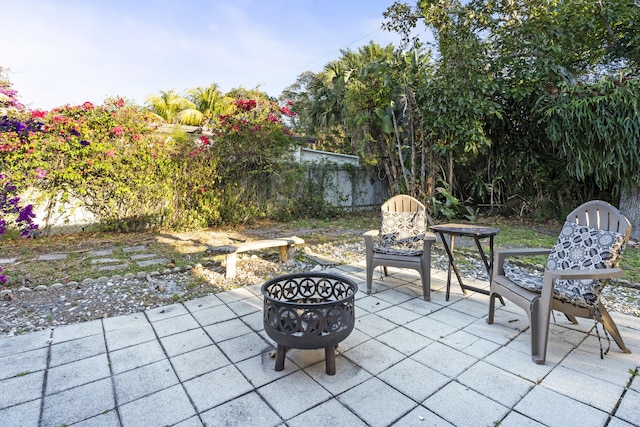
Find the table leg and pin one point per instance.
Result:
(490, 269)
(488, 264)
(452, 265)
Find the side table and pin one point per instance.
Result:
(477, 232)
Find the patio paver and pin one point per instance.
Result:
(407, 362)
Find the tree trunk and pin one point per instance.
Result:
(394, 188)
(450, 180)
(423, 169)
(630, 207)
(403, 170)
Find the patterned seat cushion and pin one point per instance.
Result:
(401, 233)
(578, 248)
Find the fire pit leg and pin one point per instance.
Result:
(330, 359)
(280, 351)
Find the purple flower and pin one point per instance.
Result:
(8, 124)
(74, 132)
(29, 231)
(84, 143)
(26, 214)
(9, 188)
(10, 205)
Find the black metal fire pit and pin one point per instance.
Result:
(309, 311)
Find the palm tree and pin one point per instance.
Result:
(367, 98)
(208, 102)
(168, 105)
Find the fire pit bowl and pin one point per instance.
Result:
(309, 311)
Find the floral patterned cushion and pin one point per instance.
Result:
(578, 248)
(401, 233)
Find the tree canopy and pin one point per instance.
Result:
(507, 92)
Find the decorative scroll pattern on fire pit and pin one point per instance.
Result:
(308, 311)
(307, 289)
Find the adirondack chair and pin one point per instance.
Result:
(402, 241)
(584, 258)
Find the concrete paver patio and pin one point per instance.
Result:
(408, 362)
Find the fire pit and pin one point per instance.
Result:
(309, 311)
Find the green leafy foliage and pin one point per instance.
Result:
(495, 61)
(238, 172)
(596, 128)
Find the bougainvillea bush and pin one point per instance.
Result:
(107, 158)
(249, 151)
(112, 160)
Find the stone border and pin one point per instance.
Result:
(102, 279)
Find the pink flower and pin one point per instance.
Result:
(204, 140)
(40, 173)
(118, 131)
(246, 105)
(109, 153)
(87, 106)
(38, 114)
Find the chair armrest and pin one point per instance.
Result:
(368, 241)
(523, 252)
(428, 241)
(502, 254)
(429, 237)
(600, 273)
(371, 233)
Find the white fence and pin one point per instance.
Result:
(345, 183)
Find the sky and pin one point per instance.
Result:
(70, 51)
